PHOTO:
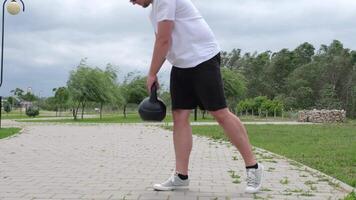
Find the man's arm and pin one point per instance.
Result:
(161, 47)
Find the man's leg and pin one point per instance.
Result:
(182, 139)
(236, 132)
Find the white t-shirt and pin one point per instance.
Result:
(193, 42)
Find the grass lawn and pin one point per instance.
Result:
(22, 115)
(119, 118)
(135, 118)
(328, 148)
(6, 132)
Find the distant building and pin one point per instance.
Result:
(24, 105)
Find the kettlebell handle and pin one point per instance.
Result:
(153, 95)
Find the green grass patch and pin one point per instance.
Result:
(330, 148)
(351, 196)
(132, 117)
(106, 119)
(6, 132)
(24, 116)
(112, 118)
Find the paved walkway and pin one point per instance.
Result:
(124, 161)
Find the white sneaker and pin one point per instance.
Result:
(254, 179)
(174, 182)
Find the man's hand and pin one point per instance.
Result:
(151, 79)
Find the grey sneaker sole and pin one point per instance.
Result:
(162, 188)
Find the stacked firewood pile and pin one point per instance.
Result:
(322, 116)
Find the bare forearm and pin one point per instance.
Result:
(159, 55)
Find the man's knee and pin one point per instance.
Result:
(180, 116)
(220, 115)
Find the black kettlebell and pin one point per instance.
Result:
(152, 108)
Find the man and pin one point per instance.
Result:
(186, 41)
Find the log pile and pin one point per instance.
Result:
(322, 116)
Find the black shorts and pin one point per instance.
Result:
(198, 86)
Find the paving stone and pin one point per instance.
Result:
(108, 161)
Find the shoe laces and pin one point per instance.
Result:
(251, 177)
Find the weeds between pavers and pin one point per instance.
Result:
(235, 177)
(255, 196)
(271, 169)
(266, 189)
(307, 194)
(299, 192)
(309, 182)
(284, 181)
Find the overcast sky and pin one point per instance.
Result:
(48, 40)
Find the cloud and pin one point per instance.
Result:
(47, 41)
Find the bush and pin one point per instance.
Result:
(7, 107)
(32, 111)
(261, 104)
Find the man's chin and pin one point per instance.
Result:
(146, 5)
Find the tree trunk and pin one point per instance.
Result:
(101, 110)
(195, 114)
(259, 112)
(125, 111)
(59, 110)
(83, 105)
(282, 113)
(75, 111)
(204, 114)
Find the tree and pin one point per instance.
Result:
(281, 66)
(302, 78)
(88, 85)
(50, 104)
(134, 89)
(234, 87)
(29, 97)
(17, 92)
(12, 101)
(61, 97)
(100, 86)
(303, 54)
(254, 69)
(76, 86)
(231, 60)
(337, 76)
(329, 98)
